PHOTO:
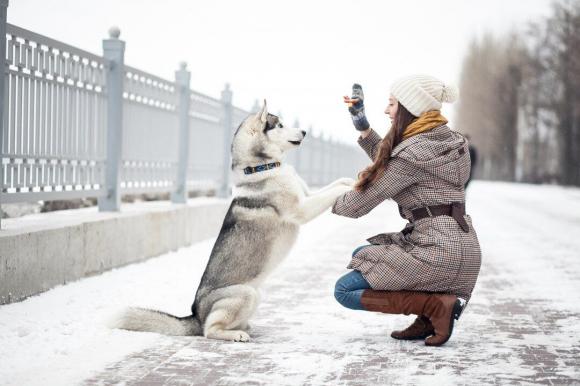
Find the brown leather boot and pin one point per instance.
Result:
(420, 329)
(441, 309)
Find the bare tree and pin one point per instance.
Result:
(521, 100)
(564, 44)
(487, 109)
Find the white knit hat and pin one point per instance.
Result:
(422, 93)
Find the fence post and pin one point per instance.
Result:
(298, 152)
(113, 52)
(330, 175)
(323, 160)
(314, 163)
(182, 78)
(255, 107)
(328, 152)
(3, 93)
(311, 154)
(335, 159)
(226, 99)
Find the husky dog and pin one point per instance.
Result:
(270, 203)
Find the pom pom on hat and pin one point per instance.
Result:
(422, 93)
(450, 93)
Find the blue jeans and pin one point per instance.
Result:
(349, 288)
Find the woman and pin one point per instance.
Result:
(429, 268)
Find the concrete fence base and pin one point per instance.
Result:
(39, 252)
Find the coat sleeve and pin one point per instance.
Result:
(399, 175)
(370, 144)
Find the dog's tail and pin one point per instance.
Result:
(142, 319)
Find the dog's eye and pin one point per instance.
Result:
(268, 127)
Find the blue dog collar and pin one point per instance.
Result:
(261, 168)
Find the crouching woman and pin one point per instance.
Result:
(429, 269)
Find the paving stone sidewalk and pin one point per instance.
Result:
(521, 327)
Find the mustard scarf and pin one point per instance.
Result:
(425, 122)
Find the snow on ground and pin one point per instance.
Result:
(59, 337)
(522, 324)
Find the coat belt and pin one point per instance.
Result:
(455, 210)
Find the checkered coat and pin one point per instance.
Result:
(427, 169)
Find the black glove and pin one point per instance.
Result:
(357, 108)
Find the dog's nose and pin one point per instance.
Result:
(303, 133)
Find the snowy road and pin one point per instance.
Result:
(522, 325)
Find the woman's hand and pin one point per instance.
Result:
(357, 109)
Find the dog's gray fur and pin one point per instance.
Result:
(258, 231)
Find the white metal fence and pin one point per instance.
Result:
(53, 135)
(76, 124)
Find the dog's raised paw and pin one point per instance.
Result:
(346, 181)
(349, 181)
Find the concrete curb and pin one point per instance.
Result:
(39, 252)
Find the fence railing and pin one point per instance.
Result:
(53, 136)
(77, 125)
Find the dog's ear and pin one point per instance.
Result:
(263, 114)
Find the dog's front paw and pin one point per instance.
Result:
(345, 181)
(342, 189)
(241, 336)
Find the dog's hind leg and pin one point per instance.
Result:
(246, 325)
(230, 312)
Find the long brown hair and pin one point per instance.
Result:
(371, 173)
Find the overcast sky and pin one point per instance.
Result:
(300, 55)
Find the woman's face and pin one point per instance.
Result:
(391, 109)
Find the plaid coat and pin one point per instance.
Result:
(427, 169)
